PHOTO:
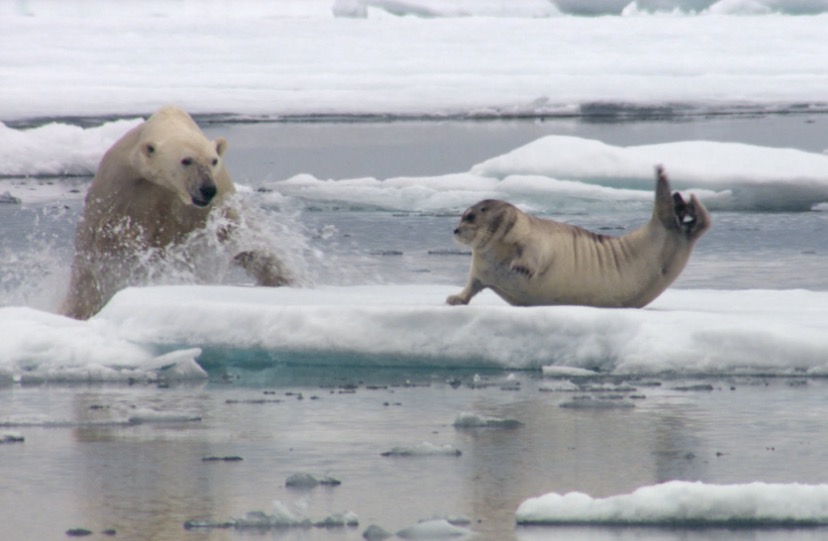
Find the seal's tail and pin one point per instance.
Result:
(689, 217)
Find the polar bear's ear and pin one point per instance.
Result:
(221, 145)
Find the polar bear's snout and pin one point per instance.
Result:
(205, 188)
(207, 193)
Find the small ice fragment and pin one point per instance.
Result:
(11, 437)
(433, 529)
(155, 417)
(306, 480)
(339, 520)
(281, 518)
(78, 532)
(587, 402)
(471, 420)
(566, 372)
(424, 449)
(7, 197)
(178, 365)
(301, 480)
(375, 533)
(222, 459)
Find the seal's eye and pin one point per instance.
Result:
(469, 217)
(483, 209)
(186, 162)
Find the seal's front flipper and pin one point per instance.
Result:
(524, 262)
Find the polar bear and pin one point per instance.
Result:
(154, 187)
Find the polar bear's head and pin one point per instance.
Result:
(186, 167)
(173, 153)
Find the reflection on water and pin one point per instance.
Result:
(90, 468)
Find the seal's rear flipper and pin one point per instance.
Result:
(675, 213)
(693, 218)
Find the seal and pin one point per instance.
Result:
(530, 261)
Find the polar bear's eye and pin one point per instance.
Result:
(187, 162)
(215, 162)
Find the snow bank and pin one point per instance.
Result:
(38, 346)
(680, 503)
(691, 332)
(727, 175)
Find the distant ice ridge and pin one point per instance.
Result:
(419, 8)
(682, 503)
(548, 8)
(557, 172)
(57, 149)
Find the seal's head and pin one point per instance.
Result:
(484, 221)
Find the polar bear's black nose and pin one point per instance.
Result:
(208, 192)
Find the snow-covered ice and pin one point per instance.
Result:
(434, 529)
(423, 449)
(273, 59)
(681, 503)
(689, 332)
(467, 420)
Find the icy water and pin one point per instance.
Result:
(85, 465)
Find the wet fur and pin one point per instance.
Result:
(128, 218)
(530, 261)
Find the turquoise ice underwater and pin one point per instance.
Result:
(718, 382)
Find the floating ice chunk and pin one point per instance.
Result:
(178, 365)
(282, 517)
(159, 417)
(57, 148)
(471, 420)
(433, 529)
(376, 533)
(424, 449)
(7, 197)
(339, 520)
(587, 402)
(567, 372)
(681, 502)
(306, 480)
(232, 458)
(11, 437)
